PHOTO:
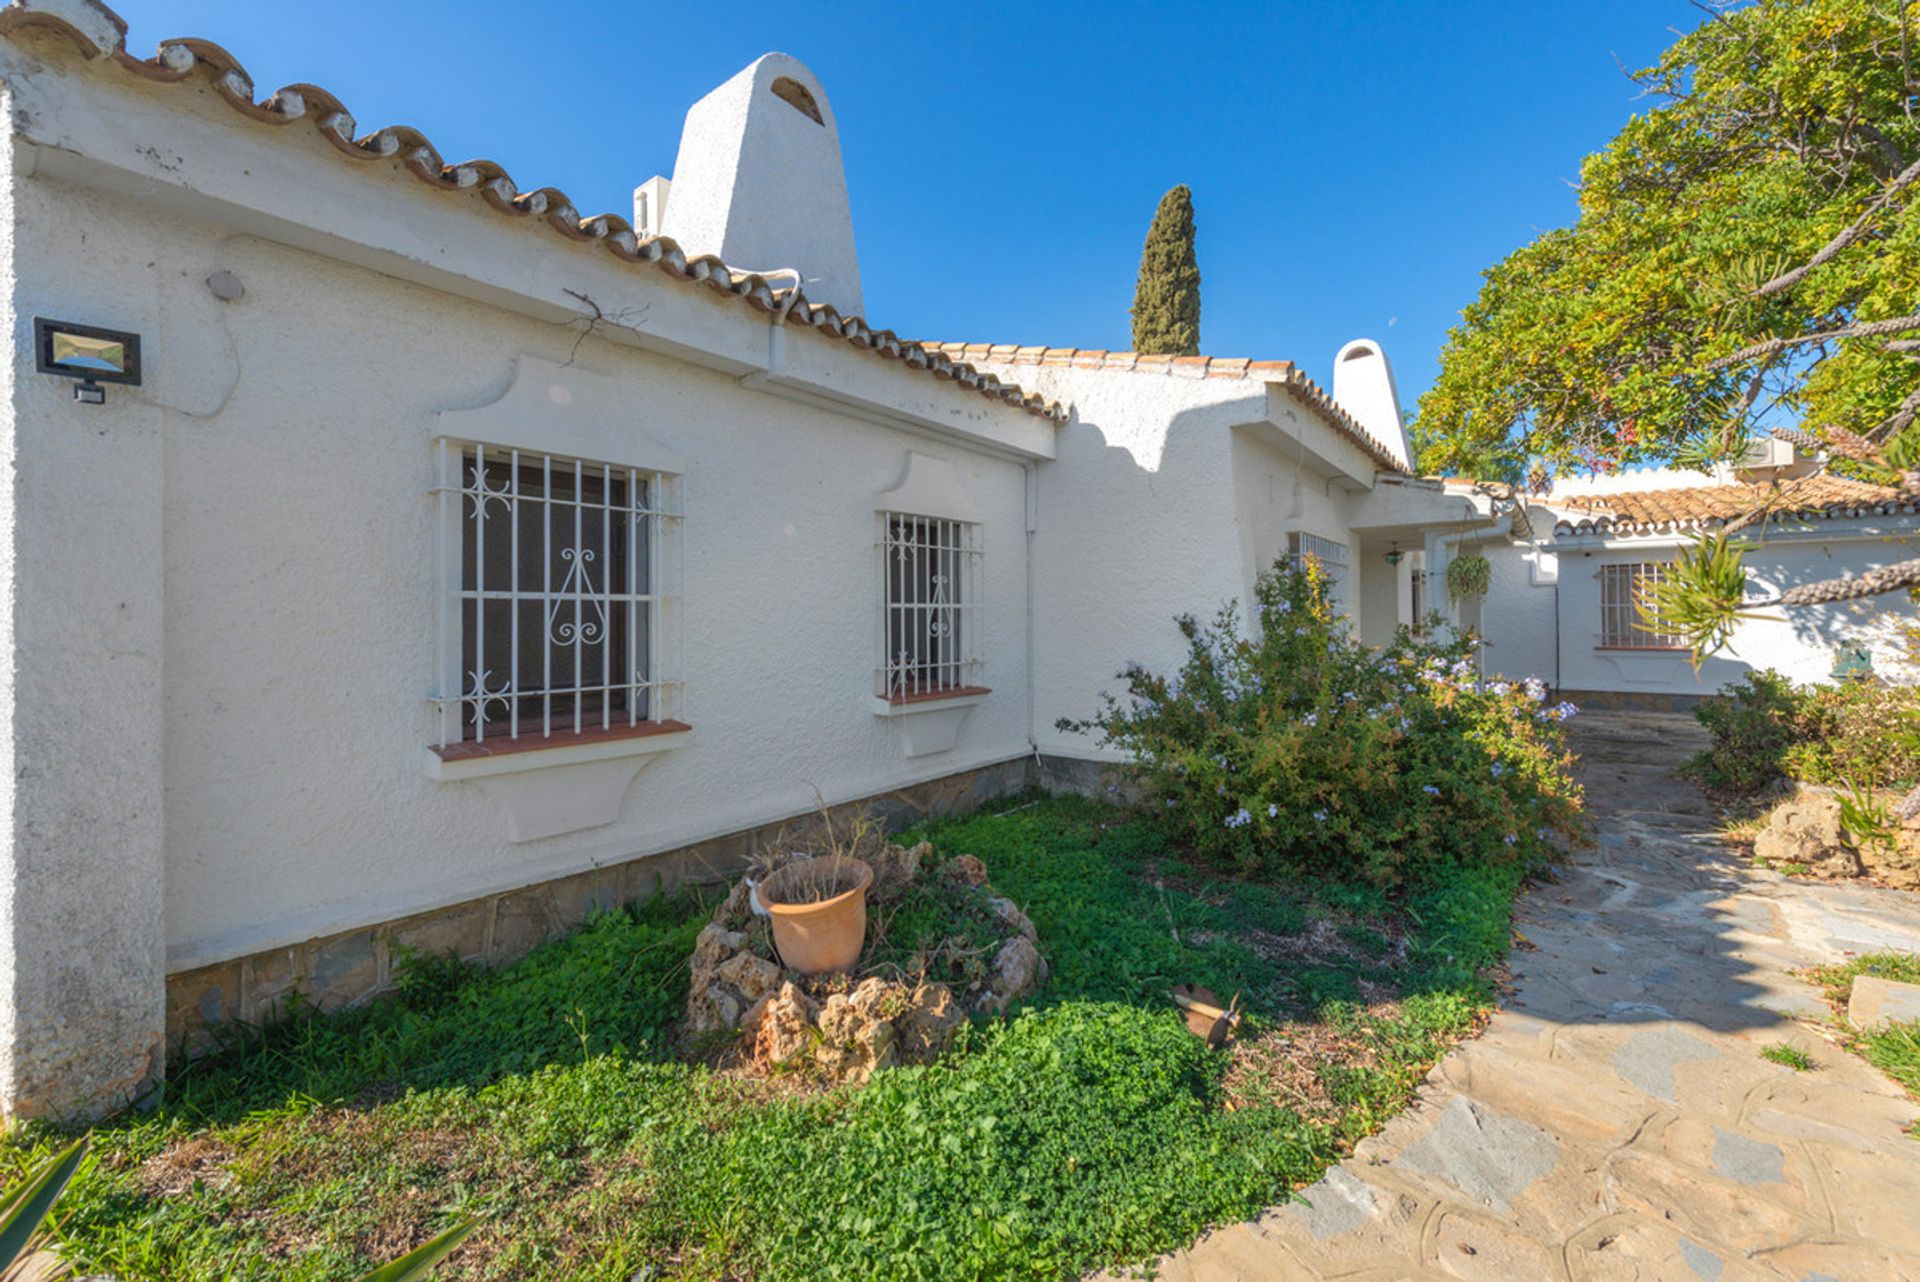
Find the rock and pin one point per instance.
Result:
(712, 1009)
(748, 975)
(857, 1036)
(969, 870)
(714, 945)
(1016, 969)
(1899, 867)
(1009, 913)
(894, 869)
(1806, 830)
(1875, 1002)
(927, 1026)
(787, 1026)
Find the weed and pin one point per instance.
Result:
(1789, 1057)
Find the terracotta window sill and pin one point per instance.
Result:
(934, 696)
(507, 754)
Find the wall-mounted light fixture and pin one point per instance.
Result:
(88, 353)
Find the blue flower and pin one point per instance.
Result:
(1311, 719)
(1273, 812)
(1498, 770)
(1429, 789)
(1320, 816)
(1509, 839)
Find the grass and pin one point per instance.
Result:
(1089, 1129)
(1895, 1048)
(1789, 1057)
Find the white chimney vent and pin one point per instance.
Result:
(759, 181)
(650, 207)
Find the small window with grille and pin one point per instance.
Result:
(550, 625)
(930, 575)
(1622, 589)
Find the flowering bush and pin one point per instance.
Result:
(1298, 749)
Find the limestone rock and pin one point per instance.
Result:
(1806, 830)
(787, 1026)
(894, 869)
(857, 1036)
(969, 870)
(1016, 970)
(1009, 913)
(748, 975)
(1875, 1002)
(927, 1026)
(1899, 867)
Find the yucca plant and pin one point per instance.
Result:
(26, 1247)
(1700, 597)
(26, 1253)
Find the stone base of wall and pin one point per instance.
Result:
(1635, 700)
(343, 969)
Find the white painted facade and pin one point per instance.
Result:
(226, 591)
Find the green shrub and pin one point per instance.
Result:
(1753, 724)
(1862, 734)
(1859, 733)
(1298, 749)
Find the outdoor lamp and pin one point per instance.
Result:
(87, 353)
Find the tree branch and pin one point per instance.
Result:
(1853, 232)
(1775, 346)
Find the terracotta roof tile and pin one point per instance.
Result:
(178, 61)
(1695, 507)
(1283, 372)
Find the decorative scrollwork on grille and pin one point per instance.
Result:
(577, 589)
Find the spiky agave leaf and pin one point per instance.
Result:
(419, 1262)
(25, 1207)
(1700, 598)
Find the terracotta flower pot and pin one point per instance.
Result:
(827, 935)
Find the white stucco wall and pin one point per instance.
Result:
(290, 434)
(1559, 585)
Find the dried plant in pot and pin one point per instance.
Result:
(818, 906)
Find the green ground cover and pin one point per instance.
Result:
(1894, 1049)
(549, 1097)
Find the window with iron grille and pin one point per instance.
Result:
(551, 570)
(1622, 589)
(930, 570)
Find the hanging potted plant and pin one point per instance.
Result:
(1469, 575)
(818, 910)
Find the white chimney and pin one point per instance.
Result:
(759, 181)
(650, 206)
(1363, 386)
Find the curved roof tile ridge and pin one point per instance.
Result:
(175, 61)
(1700, 506)
(1283, 372)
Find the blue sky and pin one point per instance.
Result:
(1354, 165)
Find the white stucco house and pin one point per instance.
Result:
(395, 556)
(1569, 565)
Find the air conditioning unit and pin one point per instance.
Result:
(1769, 451)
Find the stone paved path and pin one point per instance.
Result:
(1616, 1120)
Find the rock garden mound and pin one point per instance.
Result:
(1804, 834)
(941, 946)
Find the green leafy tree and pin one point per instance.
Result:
(1747, 251)
(1166, 298)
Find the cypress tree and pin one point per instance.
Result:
(1166, 299)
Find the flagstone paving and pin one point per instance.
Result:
(1616, 1120)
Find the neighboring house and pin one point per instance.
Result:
(1569, 568)
(444, 563)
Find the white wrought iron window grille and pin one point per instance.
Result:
(1329, 555)
(930, 575)
(552, 572)
(1622, 589)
